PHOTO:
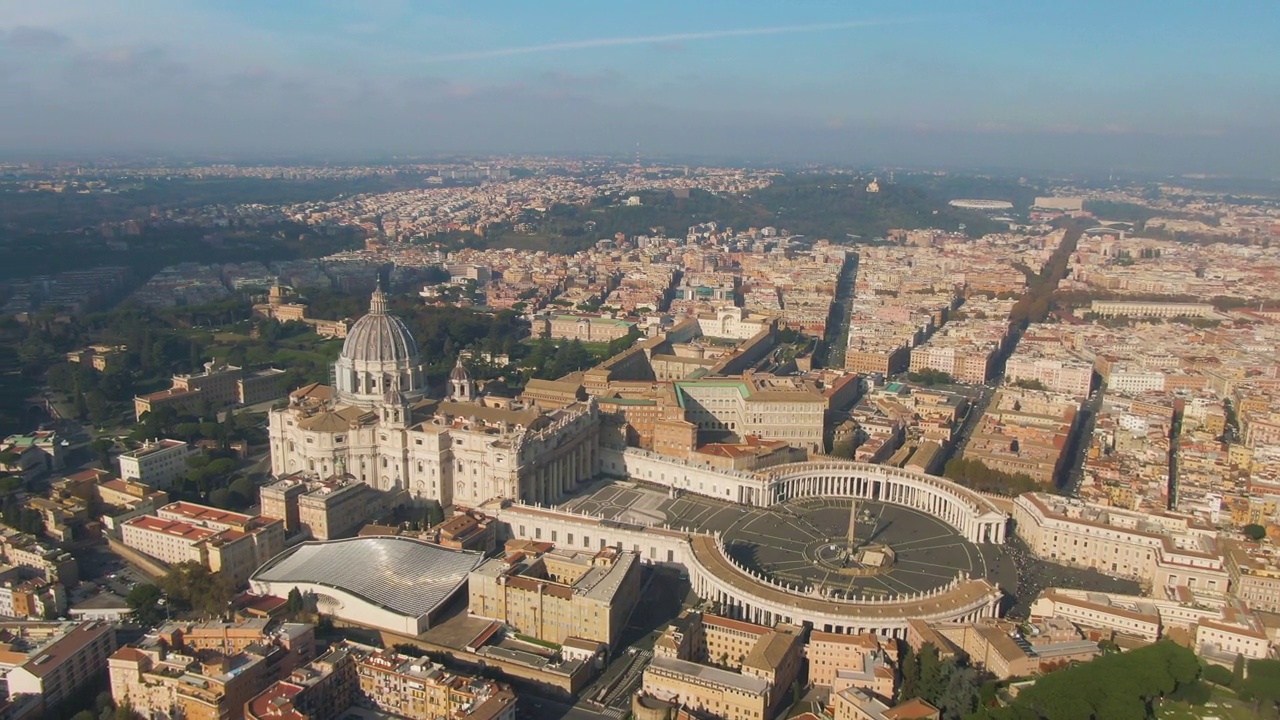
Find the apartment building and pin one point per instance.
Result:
(1061, 375)
(966, 363)
(157, 463)
(554, 594)
(35, 598)
(829, 653)
(884, 358)
(322, 689)
(65, 666)
(45, 559)
(207, 670)
(774, 655)
(720, 693)
(855, 704)
(418, 689)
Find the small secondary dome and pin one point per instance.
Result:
(378, 336)
(459, 372)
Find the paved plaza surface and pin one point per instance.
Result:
(795, 542)
(782, 541)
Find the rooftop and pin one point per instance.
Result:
(175, 528)
(150, 448)
(406, 576)
(64, 648)
(746, 683)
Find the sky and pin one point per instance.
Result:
(1166, 86)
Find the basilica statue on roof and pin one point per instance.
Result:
(377, 424)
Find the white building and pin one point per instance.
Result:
(225, 542)
(397, 584)
(377, 426)
(1070, 377)
(734, 323)
(157, 463)
(1132, 380)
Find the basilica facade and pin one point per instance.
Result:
(376, 424)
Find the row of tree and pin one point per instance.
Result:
(930, 377)
(1035, 303)
(979, 476)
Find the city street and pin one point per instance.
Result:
(837, 336)
(1083, 438)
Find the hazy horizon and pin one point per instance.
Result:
(1159, 88)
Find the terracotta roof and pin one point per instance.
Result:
(129, 653)
(314, 390)
(913, 708)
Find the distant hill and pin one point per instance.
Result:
(817, 206)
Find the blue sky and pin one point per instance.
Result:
(1182, 86)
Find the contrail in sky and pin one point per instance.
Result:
(646, 39)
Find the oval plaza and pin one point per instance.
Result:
(740, 590)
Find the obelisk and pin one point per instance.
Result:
(853, 524)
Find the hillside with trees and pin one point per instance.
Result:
(830, 206)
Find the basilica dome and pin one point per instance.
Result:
(379, 337)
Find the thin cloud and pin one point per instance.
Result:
(671, 38)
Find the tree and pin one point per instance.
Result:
(190, 585)
(102, 448)
(117, 385)
(1262, 686)
(1219, 675)
(432, 513)
(61, 377)
(907, 689)
(1120, 686)
(294, 604)
(959, 697)
(243, 492)
(220, 498)
(1254, 531)
(930, 673)
(81, 407)
(1237, 671)
(99, 411)
(144, 600)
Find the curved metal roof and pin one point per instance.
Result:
(404, 575)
